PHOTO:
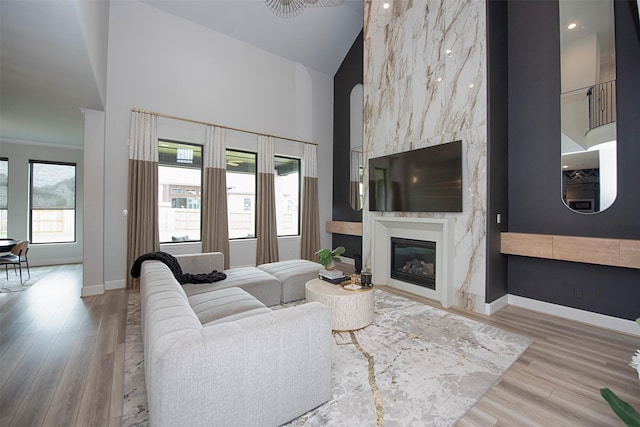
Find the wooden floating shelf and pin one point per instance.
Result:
(344, 227)
(590, 250)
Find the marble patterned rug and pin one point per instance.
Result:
(415, 365)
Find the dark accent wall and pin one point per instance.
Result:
(534, 176)
(348, 75)
(497, 147)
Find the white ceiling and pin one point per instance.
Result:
(47, 76)
(319, 37)
(45, 72)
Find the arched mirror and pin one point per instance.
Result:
(588, 104)
(355, 142)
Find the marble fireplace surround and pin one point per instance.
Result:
(437, 230)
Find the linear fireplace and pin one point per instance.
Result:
(414, 261)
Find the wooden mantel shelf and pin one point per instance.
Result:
(344, 227)
(590, 250)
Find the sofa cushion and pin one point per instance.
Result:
(293, 275)
(201, 263)
(225, 305)
(258, 283)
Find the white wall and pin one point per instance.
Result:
(93, 256)
(94, 20)
(580, 63)
(162, 63)
(19, 155)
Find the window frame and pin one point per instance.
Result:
(4, 235)
(75, 201)
(299, 162)
(255, 186)
(179, 165)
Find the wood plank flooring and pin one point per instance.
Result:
(62, 363)
(61, 356)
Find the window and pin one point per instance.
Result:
(241, 193)
(4, 193)
(179, 183)
(287, 188)
(53, 202)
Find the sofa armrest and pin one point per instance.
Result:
(201, 263)
(261, 370)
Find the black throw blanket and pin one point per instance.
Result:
(175, 268)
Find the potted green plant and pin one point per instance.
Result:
(328, 258)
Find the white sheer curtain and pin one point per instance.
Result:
(266, 226)
(310, 224)
(142, 204)
(215, 224)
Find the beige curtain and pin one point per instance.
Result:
(142, 205)
(266, 227)
(215, 224)
(310, 224)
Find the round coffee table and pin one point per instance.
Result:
(350, 309)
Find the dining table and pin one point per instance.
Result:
(7, 244)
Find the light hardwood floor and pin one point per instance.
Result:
(557, 380)
(61, 356)
(62, 363)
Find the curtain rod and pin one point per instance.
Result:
(138, 110)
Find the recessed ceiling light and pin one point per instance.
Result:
(572, 26)
(470, 85)
(385, 6)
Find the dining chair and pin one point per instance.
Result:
(18, 256)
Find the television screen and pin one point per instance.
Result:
(424, 180)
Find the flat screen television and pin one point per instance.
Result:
(423, 180)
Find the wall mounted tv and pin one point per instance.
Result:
(424, 180)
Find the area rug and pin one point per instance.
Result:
(415, 365)
(13, 283)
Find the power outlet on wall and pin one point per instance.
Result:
(577, 292)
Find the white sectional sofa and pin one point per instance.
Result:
(222, 358)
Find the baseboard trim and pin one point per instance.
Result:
(54, 261)
(595, 319)
(88, 291)
(496, 305)
(115, 284)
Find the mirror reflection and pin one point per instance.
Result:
(355, 141)
(588, 105)
(355, 181)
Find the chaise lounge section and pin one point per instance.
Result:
(272, 283)
(221, 357)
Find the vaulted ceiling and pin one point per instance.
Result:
(51, 66)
